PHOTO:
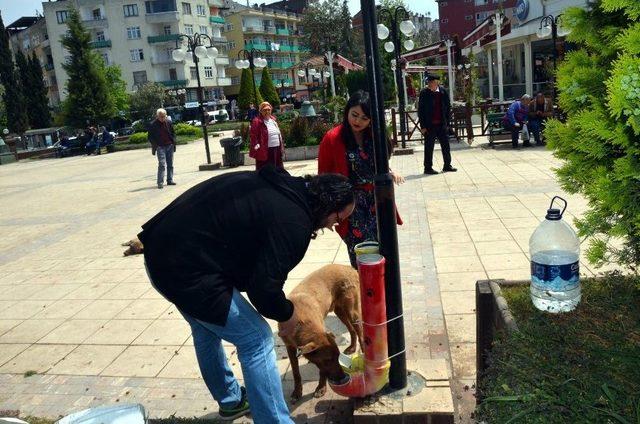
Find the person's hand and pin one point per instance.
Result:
(257, 146)
(517, 124)
(288, 328)
(397, 178)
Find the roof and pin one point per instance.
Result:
(23, 22)
(340, 61)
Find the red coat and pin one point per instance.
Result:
(259, 136)
(332, 158)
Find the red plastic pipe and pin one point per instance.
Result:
(374, 317)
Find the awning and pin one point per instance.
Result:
(435, 49)
(346, 63)
(484, 31)
(506, 29)
(416, 69)
(341, 61)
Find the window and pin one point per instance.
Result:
(481, 2)
(96, 14)
(130, 10)
(208, 72)
(133, 33)
(62, 16)
(445, 21)
(167, 29)
(188, 29)
(229, 27)
(468, 17)
(194, 72)
(186, 8)
(99, 35)
(443, 4)
(173, 75)
(201, 10)
(232, 45)
(136, 55)
(203, 29)
(139, 78)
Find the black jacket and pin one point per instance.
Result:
(154, 133)
(244, 229)
(425, 107)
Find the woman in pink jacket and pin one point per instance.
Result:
(266, 144)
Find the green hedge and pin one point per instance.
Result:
(186, 129)
(138, 138)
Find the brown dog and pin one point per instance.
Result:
(330, 288)
(135, 247)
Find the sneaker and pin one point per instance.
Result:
(171, 183)
(241, 408)
(430, 171)
(449, 169)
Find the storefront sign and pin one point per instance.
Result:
(522, 10)
(191, 105)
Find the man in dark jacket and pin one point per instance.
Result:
(434, 114)
(240, 232)
(163, 141)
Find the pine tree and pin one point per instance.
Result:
(88, 101)
(599, 86)
(17, 119)
(39, 113)
(268, 90)
(346, 46)
(246, 94)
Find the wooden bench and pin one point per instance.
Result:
(495, 129)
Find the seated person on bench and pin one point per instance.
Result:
(515, 118)
(539, 110)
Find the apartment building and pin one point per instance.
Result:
(139, 36)
(29, 35)
(276, 36)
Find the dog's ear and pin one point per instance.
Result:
(309, 347)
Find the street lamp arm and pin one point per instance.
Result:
(548, 20)
(400, 9)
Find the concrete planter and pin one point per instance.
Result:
(292, 154)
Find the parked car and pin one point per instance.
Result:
(69, 146)
(218, 115)
(125, 131)
(195, 123)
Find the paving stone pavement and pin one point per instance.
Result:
(81, 326)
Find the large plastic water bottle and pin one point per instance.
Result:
(555, 271)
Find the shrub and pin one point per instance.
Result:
(599, 91)
(138, 138)
(298, 132)
(317, 130)
(186, 129)
(140, 126)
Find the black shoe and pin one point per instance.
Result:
(430, 171)
(242, 408)
(527, 144)
(160, 186)
(171, 183)
(449, 169)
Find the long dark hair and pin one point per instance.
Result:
(328, 194)
(359, 98)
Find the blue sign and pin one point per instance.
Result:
(522, 9)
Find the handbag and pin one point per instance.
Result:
(525, 133)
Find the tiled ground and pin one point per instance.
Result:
(86, 320)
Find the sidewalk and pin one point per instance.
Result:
(86, 320)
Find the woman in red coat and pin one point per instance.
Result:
(266, 144)
(348, 150)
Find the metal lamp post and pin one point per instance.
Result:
(251, 60)
(385, 203)
(195, 46)
(550, 25)
(407, 28)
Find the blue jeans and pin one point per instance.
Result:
(250, 333)
(165, 161)
(535, 126)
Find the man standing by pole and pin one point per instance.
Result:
(163, 141)
(434, 111)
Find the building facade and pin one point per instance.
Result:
(459, 17)
(29, 35)
(276, 36)
(139, 37)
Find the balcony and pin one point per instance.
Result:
(286, 48)
(100, 44)
(216, 20)
(162, 17)
(164, 38)
(282, 31)
(96, 22)
(222, 60)
(270, 29)
(258, 30)
(162, 60)
(223, 81)
(257, 46)
(174, 83)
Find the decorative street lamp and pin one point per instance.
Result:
(407, 28)
(307, 73)
(550, 25)
(195, 46)
(251, 60)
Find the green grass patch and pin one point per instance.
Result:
(181, 139)
(578, 367)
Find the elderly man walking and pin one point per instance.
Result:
(163, 141)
